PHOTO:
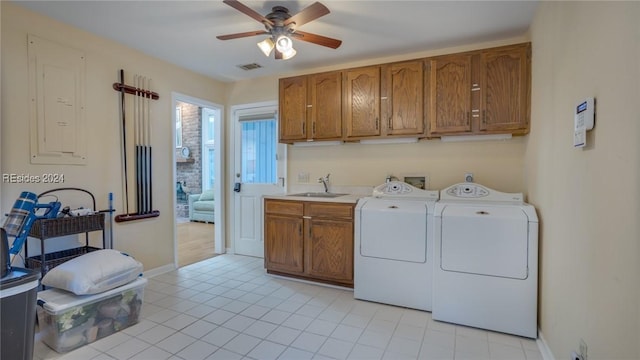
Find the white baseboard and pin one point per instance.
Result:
(159, 270)
(543, 347)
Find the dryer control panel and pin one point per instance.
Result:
(472, 191)
(401, 189)
(467, 191)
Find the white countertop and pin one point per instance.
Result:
(353, 193)
(349, 198)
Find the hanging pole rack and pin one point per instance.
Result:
(142, 134)
(135, 91)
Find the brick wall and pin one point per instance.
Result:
(190, 172)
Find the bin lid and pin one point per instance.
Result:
(18, 278)
(57, 300)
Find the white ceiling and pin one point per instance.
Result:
(184, 32)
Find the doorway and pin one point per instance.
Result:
(199, 228)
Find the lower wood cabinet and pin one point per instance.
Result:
(310, 240)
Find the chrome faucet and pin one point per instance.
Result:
(325, 182)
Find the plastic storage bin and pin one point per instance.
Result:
(68, 321)
(18, 289)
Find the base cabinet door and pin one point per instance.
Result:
(284, 246)
(329, 249)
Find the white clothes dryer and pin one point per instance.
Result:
(486, 263)
(393, 262)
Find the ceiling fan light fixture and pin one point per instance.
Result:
(284, 44)
(289, 54)
(266, 46)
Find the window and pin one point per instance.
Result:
(178, 127)
(208, 148)
(258, 150)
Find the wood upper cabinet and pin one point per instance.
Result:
(312, 240)
(449, 94)
(505, 74)
(311, 107)
(325, 100)
(484, 91)
(480, 92)
(293, 108)
(362, 102)
(403, 98)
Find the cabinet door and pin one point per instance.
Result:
(325, 92)
(329, 249)
(362, 102)
(450, 94)
(283, 243)
(402, 98)
(293, 108)
(505, 78)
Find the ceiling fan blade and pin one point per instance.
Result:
(278, 54)
(241, 35)
(317, 39)
(247, 11)
(307, 14)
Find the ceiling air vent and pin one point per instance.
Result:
(251, 66)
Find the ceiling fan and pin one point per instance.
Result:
(282, 27)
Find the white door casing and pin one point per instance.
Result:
(219, 217)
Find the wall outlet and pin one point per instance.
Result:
(303, 177)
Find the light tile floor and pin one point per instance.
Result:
(227, 307)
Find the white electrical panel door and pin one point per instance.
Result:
(56, 90)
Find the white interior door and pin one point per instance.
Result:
(259, 170)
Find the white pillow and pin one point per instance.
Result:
(94, 272)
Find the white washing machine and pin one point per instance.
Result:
(486, 263)
(393, 262)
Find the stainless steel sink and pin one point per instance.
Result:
(318, 194)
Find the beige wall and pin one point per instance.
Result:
(588, 199)
(151, 241)
(496, 164)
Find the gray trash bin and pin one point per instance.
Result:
(18, 294)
